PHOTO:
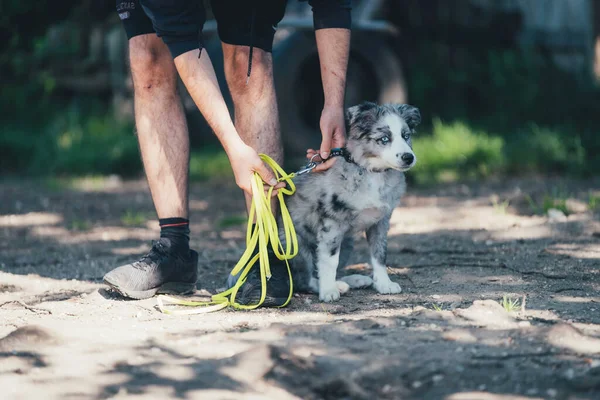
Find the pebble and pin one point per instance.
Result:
(531, 392)
(555, 215)
(436, 296)
(552, 392)
(417, 384)
(437, 378)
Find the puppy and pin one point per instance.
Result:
(357, 194)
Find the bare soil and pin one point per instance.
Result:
(63, 335)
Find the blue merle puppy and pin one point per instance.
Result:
(357, 194)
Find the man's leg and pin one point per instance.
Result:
(243, 25)
(161, 125)
(255, 104)
(170, 267)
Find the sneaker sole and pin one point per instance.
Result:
(179, 288)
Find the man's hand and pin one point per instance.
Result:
(245, 162)
(333, 129)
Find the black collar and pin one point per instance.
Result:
(341, 152)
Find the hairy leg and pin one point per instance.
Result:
(161, 125)
(255, 104)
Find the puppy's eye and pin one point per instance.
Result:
(405, 136)
(384, 140)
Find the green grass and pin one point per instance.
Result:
(593, 202)
(232, 220)
(80, 225)
(75, 140)
(509, 304)
(436, 307)
(456, 151)
(557, 199)
(134, 218)
(501, 207)
(210, 164)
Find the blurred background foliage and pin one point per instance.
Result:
(488, 109)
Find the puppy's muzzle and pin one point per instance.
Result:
(408, 160)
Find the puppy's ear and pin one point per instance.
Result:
(411, 115)
(354, 112)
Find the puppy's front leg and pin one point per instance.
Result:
(377, 238)
(328, 257)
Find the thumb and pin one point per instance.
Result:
(325, 146)
(266, 174)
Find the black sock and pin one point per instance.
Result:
(177, 230)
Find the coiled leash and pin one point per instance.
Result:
(265, 232)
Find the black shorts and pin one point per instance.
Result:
(179, 22)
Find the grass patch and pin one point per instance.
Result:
(593, 202)
(232, 220)
(456, 151)
(436, 307)
(535, 148)
(134, 218)
(80, 225)
(210, 164)
(75, 140)
(556, 199)
(500, 207)
(509, 304)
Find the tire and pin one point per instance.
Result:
(374, 74)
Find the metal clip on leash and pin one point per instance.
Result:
(312, 164)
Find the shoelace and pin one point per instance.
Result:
(157, 253)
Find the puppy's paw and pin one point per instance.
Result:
(358, 281)
(387, 287)
(330, 294)
(342, 286)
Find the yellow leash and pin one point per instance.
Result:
(265, 232)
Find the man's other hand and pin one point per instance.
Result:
(333, 129)
(245, 161)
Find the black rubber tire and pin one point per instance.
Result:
(374, 74)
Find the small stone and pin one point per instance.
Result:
(489, 242)
(416, 384)
(386, 389)
(531, 392)
(437, 378)
(436, 296)
(555, 215)
(434, 282)
(481, 387)
(552, 392)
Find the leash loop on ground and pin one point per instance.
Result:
(265, 233)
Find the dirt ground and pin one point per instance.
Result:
(455, 251)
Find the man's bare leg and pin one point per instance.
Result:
(161, 125)
(255, 103)
(170, 266)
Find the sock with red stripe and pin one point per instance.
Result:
(177, 230)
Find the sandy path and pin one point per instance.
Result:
(65, 336)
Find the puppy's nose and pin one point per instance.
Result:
(408, 158)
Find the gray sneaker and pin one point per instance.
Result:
(162, 271)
